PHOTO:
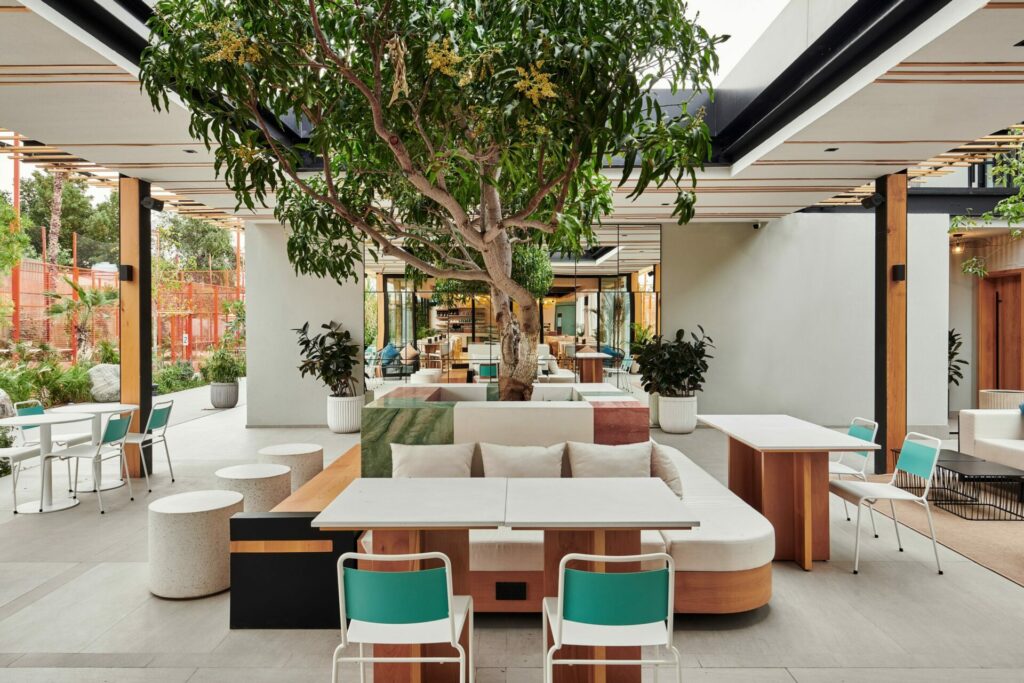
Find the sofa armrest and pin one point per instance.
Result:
(990, 424)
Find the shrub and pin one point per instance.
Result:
(177, 376)
(107, 352)
(49, 381)
(222, 366)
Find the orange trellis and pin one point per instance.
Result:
(188, 316)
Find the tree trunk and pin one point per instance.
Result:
(56, 206)
(518, 369)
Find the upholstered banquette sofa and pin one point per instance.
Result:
(993, 435)
(724, 566)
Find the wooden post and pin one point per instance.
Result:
(891, 275)
(135, 308)
(16, 271)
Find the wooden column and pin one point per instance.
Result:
(890, 317)
(136, 310)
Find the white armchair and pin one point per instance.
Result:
(993, 435)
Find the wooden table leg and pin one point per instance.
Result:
(803, 512)
(557, 544)
(742, 466)
(455, 544)
(793, 496)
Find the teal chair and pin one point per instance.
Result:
(111, 445)
(629, 609)
(917, 458)
(489, 371)
(30, 439)
(155, 433)
(855, 463)
(401, 608)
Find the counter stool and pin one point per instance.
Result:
(262, 485)
(305, 459)
(190, 543)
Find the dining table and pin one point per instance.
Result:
(45, 423)
(98, 410)
(592, 515)
(591, 365)
(778, 464)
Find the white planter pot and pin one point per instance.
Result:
(344, 413)
(677, 415)
(652, 408)
(224, 394)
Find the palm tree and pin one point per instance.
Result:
(78, 310)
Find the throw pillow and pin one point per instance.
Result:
(522, 461)
(388, 353)
(599, 460)
(664, 468)
(409, 352)
(435, 461)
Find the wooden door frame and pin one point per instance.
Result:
(984, 330)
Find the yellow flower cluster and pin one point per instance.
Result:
(443, 58)
(534, 84)
(247, 154)
(229, 45)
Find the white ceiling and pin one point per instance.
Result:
(56, 90)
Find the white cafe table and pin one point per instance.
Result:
(418, 515)
(577, 515)
(778, 464)
(97, 411)
(45, 424)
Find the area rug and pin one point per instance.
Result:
(998, 546)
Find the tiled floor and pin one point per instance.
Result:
(74, 604)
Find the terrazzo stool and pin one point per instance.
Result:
(189, 543)
(305, 459)
(262, 485)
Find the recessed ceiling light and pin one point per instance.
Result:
(190, 151)
(1020, 44)
(831, 149)
(664, 203)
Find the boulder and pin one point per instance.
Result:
(6, 405)
(106, 382)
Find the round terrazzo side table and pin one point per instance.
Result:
(189, 543)
(262, 485)
(305, 459)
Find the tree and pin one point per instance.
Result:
(445, 132)
(13, 240)
(99, 238)
(37, 194)
(79, 309)
(198, 244)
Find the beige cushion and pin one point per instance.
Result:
(1009, 452)
(599, 460)
(444, 460)
(552, 365)
(732, 536)
(522, 461)
(665, 469)
(409, 352)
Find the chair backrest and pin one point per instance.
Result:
(159, 417)
(863, 429)
(399, 597)
(116, 430)
(918, 456)
(627, 363)
(615, 599)
(488, 370)
(29, 407)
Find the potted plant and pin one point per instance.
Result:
(675, 371)
(332, 358)
(222, 370)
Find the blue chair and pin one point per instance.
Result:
(399, 608)
(154, 433)
(629, 609)
(110, 446)
(917, 459)
(855, 463)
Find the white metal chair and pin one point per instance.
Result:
(154, 433)
(918, 456)
(14, 456)
(110, 446)
(30, 438)
(400, 608)
(629, 609)
(620, 373)
(855, 463)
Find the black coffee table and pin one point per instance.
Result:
(908, 482)
(978, 490)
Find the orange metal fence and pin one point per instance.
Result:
(188, 314)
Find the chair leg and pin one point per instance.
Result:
(42, 481)
(14, 483)
(472, 666)
(856, 539)
(895, 522)
(145, 470)
(167, 452)
(544, 637)
(462, 663)
(679, 664)
(97, 465)
(69, 475)
(362, 665)
(931, 528)
(76, 480)
(874, 529)
(334, 664)
(549, 665)
(127, 477)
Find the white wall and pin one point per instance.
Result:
(278, 301)
(791, 310)
(962, 293)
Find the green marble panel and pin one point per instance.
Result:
(402, 420)
(492, 391)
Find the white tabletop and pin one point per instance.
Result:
(389, 503)
(49, 418)
(592, 354)
(595, 503)
(784, 433)
(95, 408)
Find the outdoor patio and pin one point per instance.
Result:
(74, 602)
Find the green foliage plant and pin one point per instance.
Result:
(675, 368)
(330, 356)
(956, 363)
(222, 366)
